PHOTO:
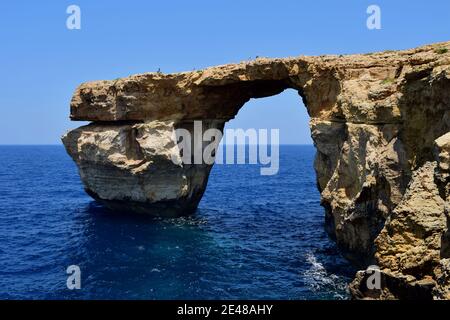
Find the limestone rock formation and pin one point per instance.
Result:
(380, 123)
(137, 167)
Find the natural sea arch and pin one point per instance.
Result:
(374, 119)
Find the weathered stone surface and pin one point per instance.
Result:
(413, 246)
(137, 167)
(379, 121)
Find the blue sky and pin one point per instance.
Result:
(42, 62)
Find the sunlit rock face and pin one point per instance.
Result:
(138, 167)
(379, 121)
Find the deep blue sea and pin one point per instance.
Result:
(253, 236)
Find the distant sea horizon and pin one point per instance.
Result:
(60, 144)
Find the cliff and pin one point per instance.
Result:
(379, 122)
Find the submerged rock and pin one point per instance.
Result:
(380, 123)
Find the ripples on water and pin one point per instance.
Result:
(253, 237)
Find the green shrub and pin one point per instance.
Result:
(387, 81)
(441, 50)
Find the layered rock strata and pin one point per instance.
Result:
(380, 123)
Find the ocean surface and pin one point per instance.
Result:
(253, 236)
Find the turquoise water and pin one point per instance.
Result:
(253, 236)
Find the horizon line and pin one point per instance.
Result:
(60, 144)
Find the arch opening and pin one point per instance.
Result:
(264, 111)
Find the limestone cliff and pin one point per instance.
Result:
(379, 121)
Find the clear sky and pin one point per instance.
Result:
(42, 61)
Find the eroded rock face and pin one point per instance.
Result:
(138, 167)
(379, 121)
(413, 246)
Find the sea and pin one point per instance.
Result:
(252, 237)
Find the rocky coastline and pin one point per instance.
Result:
(380, 123)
